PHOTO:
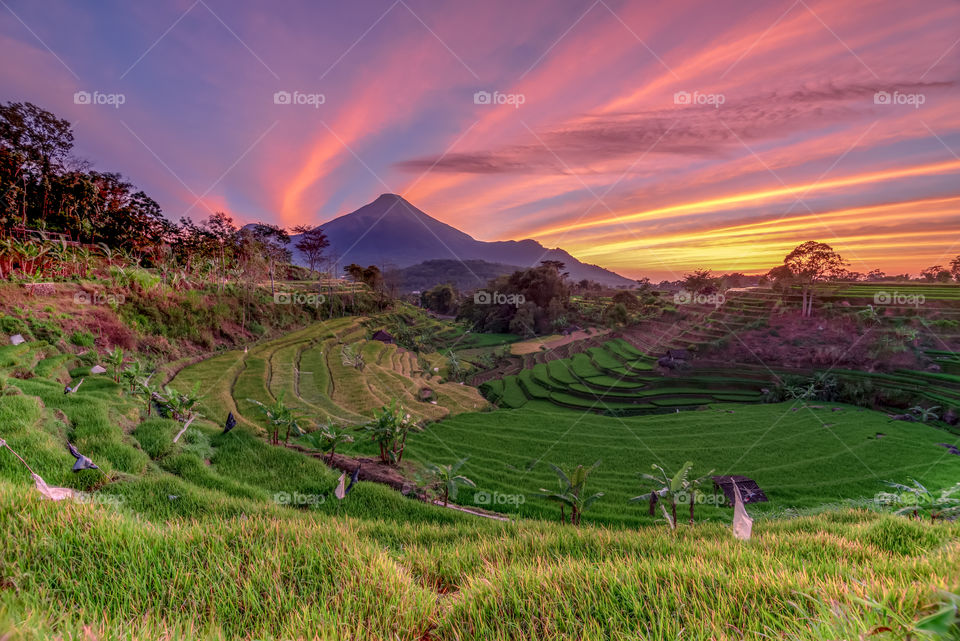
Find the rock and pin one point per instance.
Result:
(97, 369)
(17, 339)
(951, 418)
(933, 367)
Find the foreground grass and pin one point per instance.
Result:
(317, 576)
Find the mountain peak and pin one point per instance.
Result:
(392, 231)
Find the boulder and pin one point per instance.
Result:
(97, 369)
(17, 339)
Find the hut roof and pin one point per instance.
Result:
(750, 492)
(382, 336)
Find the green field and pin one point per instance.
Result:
(307, 368)
(616, 377)
(206, 538)
(801, 459)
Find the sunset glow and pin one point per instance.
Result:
(648, 139)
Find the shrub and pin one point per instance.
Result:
(81, 339)
(46, 331)
(13, 325)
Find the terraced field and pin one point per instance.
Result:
(190, 540)
(307, 368)
(617, 377)
(800, 456)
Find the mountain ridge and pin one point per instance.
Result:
(390, 231)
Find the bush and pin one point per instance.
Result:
(81, 339)
(13, 325)
(46, 331)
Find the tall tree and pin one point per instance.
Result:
(274, 241)
(40, 144)
(808, 264)
(311, 244)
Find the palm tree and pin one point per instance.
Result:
(279, 415)
(572, 492)
(445, 480)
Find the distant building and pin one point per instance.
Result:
(383, 337)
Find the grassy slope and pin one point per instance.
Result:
(334, 578)
(307, 368)
(188, 541)
(801, 458)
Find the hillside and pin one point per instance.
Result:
(463, 275)
(208, 538)
(392, 232)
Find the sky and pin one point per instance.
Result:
(649, 138)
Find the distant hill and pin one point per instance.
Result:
(464, 275)
(392, 232)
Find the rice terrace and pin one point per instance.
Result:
(674, 355)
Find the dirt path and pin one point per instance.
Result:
(553, 342)
(373, 470)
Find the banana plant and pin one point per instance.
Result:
(389, 430)
(672, 489)
(180, 404)
(133, 372)
(925, 414)
(446, 480)
(115, 358)
(327, 439)
(914, 499)
(279, 415)
(148, 390)
(572, 492)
